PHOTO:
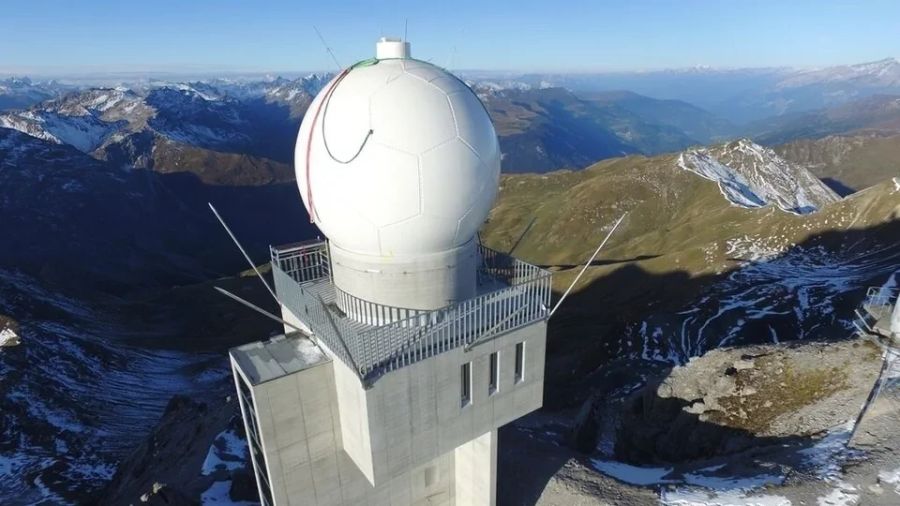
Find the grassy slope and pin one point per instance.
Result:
(672, 215)
(858, 161)
(219, 168)
(676, 241)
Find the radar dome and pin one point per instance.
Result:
(396, 156)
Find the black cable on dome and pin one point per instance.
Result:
(364, 63)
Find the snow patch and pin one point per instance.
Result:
(827, 456)
(696, 497)
(750, 175)
(633, 475)
(227, 452)
(732, 185)
(844, 494)
(85, 133)
(310, 352)
(889, 477)
(8, 338)
(731, 483)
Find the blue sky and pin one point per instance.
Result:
(583, 35)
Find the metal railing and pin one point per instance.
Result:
(301, 279)
(878, 305)
(306, 261)
(881, 296)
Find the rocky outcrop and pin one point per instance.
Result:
(730, 400)
(166, 468)
(8, 332)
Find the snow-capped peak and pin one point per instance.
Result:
(881, 73)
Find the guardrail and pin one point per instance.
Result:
(881, 296)
(307, 261)
(301, 279)
(878, 304)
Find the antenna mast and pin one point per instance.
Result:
(566, 294)
(327, 48)
(246, 256)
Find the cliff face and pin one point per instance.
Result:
(193, 452)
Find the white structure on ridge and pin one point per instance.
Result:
(417, 343)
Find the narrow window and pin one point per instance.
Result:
(520, 362)
(494, 377)
(466, 384)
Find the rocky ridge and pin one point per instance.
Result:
(751, 175)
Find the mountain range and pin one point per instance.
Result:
(545, 121)
(110, 252)
(737, 95)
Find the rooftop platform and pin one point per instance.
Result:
(511, 294)
(278, 356)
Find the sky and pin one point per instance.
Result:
(82, 37)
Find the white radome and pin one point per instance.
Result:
(414, 161)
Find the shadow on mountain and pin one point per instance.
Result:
(838, 187)
(594, 326)
(601, 344)
(88, 227)
(275, 128)
(604, 261)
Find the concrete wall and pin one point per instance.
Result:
(301, 436)
(415, 413)
(405, 440)
(354, 415)
(301, 432)
(476, 471)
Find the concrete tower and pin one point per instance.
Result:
(416, 342)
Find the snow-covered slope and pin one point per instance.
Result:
(733, 185)
(22, 92)
(228, 116)
(85, 120)
(879, 73)
(84, 132)
(750, 175)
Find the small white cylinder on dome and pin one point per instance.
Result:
(388, 48)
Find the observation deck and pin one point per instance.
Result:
(510, 294)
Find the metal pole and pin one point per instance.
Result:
(259, 310)
(566, 294)
(233, 238)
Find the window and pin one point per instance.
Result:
(520, 362)
(494, 375)
(466, 384)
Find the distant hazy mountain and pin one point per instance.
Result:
(171, 126)
(189, 127)
(877, 113)
(737, 95)
(694, 122)
(21, 92)
(545, 129)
